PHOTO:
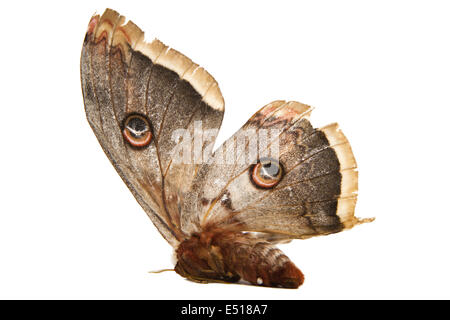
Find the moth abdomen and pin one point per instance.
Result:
(268, 266)
(229, 256)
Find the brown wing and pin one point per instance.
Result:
(316, 192)
(122, 75)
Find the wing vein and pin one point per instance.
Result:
(94, 87)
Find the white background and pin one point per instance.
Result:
(69, 227)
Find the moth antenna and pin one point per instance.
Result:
(160, 271)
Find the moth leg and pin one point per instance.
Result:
(198, 280)
(207, 280)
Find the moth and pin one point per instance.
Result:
(223, 218)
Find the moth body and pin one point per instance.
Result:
(220, 255)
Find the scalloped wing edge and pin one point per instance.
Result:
(111, 25)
